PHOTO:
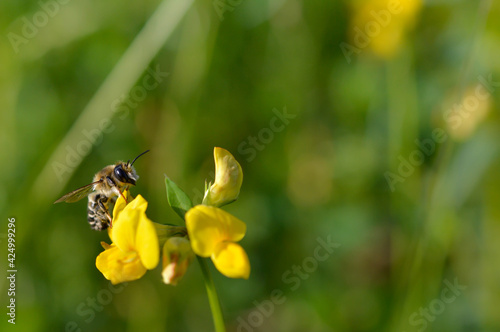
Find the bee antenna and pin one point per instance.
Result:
(133, 161)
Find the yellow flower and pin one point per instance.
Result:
(135, 246)
(382, 24)
(228, 179)
(214, 233)
(462, 120)
(177, 255)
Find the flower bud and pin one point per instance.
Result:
(228, 179)
(177, 255)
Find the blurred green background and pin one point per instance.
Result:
(390, 151)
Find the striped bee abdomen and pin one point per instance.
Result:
(97, 211)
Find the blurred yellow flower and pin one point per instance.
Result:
(177, 255)
(228, 179)
(463, 119)
(214, 233)
(135, 246)
(381, 25)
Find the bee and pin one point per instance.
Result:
(108, 184)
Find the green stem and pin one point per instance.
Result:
(213, 299)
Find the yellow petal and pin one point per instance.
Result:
(118, 266)
(208, 226)
(231, 260)
(110, 233)
(146, 242)
(119, 207)
(139, 203)
(120, 204)
(124, 231)
(105, 245)
(228, 179)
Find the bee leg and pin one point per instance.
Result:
(103, 207)
(126, 202)
(109, 218)
(113, 184)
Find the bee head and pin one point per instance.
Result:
(125, 173)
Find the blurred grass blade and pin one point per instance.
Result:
(470, 166)
(122, 78)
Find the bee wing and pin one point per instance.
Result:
(77, 194)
